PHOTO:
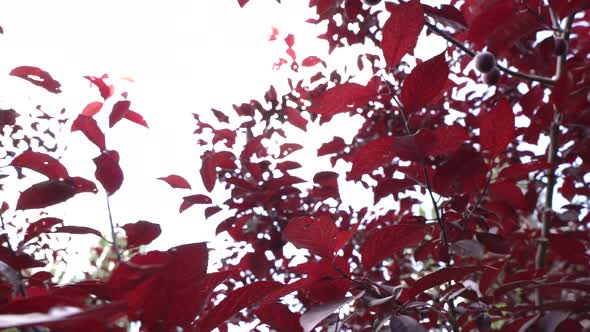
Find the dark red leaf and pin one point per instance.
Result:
(279, 317)
(108, 172)
(494, 242)
(41, 163)
(38, 77)
(236, 301)
(83, 185)
(120, 110)
(497, 128)
(521, 171)
(344, 97)
(318, 235)
(141, 233)
(176, 181)
(425, 83)
(77, 230)
(39, 227)
(242, 3)
(401, 31)
(8, 117)
(44, 194)
(570, 248)
(440, 277)
(388, 241)
(189, 201)
(210, 161)
(509, 193)
(90, 128)
(447, 139)
(370, 156)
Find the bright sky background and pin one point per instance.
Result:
(185, 56)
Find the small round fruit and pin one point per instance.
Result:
(485, 62)
(371, 2)
(492, 77)
(560, 46)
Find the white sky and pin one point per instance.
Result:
(185, 57)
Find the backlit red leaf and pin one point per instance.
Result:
(39, 227)
(41, 163)
(497, 128)
(370, 156)
(108, 172)
(425, 83)
(310, 61)
(90, 129)
(318, 235)
(136, 118)
(92, 108)
(294, 117)
(336, 145)
(141, 233)
(38, 77)
(189, 201)
(401, 31)
(343, 98)
(105, 90)
(176, 181)
(388, 241)
(77, 230)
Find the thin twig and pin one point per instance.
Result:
(439, 217)
(458, 44)
(114, 236)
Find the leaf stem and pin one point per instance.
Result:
(114, 236)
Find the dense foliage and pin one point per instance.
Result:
(494, 252)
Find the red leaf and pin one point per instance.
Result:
(141, 232)
(440, 277)
(401, 31)
(108, 172)
(310, 61)
(279, 317)
(77, 230)
(570, 248)
(8, 117)
(242, 3)
(105, 90)
(38, 77)
(494, 242)
(425, 83)
(447, 139)
(236, 301)
(39, 227)
(497, 128)
(120, 110)
(92, 108)
(388, 241)
(189, 201)
(521, 171)
(210, 161)
(135, 117)
(336, 145)
(82, 184)
(318, 235)
(509, 193)
(370, 156)
(44, 194)
(176, 181)
(41, 163)
(344, 97)
(90, 128)
(294, 117)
